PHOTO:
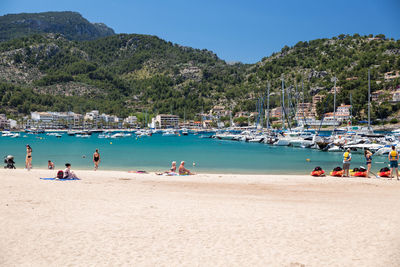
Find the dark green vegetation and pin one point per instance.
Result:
(128, 73)
(71, 24)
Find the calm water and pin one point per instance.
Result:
(156, 153)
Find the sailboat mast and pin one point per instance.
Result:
(268, 106)
(288, 102)
(351, 110)
(369, 100)
(334, 104)
(302, 100)
(283, 102)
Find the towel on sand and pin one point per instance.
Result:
(60, 179)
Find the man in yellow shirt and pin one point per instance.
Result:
(394, 162)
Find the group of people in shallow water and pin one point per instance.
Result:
(50, 164)
(69, 174)
(393, 159)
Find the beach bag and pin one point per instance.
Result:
(60, 174)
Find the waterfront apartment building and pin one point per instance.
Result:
(304, 111)
(166, 121)
(276, 112)
(342, 114)
(4, 123)
(131, 121)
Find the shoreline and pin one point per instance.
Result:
(198, 177)
(152, 173)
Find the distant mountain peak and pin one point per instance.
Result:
(69, 23)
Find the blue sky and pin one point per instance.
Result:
(243, 31)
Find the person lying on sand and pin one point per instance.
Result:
(68, 174)
(183, 170)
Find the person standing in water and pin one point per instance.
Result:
(28, 159)
(368, 160)
(96, 159)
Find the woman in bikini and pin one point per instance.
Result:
(28, 160)
(368, 160)
(96, 159)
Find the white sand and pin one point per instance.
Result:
(119, 218)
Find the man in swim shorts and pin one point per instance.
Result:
(346, 163)
(183, 170)
(394, 162)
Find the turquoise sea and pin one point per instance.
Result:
(155, 153)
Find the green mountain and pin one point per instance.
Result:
(129, 73)
(71, 24)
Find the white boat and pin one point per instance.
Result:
(225, 136)
(185, 131)
(169, 132)
(104, 135)
(15, 135)
(117, 135)
(336, 149)
(54, 134)
(82, 135)
(384, 151)
(256, 139)
(359, 148)
(282, 141)
(6, 133)
(300, 142)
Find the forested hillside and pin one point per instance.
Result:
(127, 73)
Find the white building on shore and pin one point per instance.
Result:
(131, 121)
(4, 123)
(166, 121)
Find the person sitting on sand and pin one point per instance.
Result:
(68, 174)
(173, 167)
(50, 165)
(183, 170)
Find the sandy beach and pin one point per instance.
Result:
(123, 219)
